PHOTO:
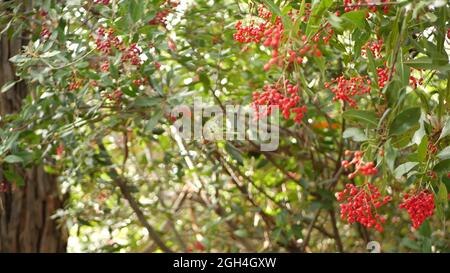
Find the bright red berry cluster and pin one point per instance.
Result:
(284, 96)
(374, 46)
(344, 89)
(419, 206)
(361, 167)
(350, 5)
(361, 204)
(383, 76)
(271, 35)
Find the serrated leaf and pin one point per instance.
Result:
(405, 121)
(404, 169)
(355, 133)
(368, 117)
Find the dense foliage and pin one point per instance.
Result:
(363, 89)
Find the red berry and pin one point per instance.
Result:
(361, 204)
(419, 206)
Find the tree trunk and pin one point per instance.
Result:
(25, 212)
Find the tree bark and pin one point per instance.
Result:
(26, 223)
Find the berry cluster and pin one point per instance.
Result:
(431, 148)
(104, 2)
(350, 5)
(361, 205)
(74, 85)
(104, 67)
(115, 96)
(139, 82)
(413, 81)
(273, 97)
(364, 168)
(271, 35)
(106, 40)
(374, 46)
(383, 76)
(132, 54)
(344, 89)
(45, 31)
(161, 16)
(419, 206)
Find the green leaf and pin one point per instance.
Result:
(427, 63)
(404, 169)
(372, 66)
(390, 154)
(422, 149)
(405, 121)
(241, 233)
(276, 11)
(355, 133)
(205, 81)
(443, 194)
(356, 18)
(425, 229)
(136, 9)
(8, 85)
(13, 159)
(13, 177)
(446, 130)
(442, 167)
(444, 154)
(368, 118)
(50, 54)
(316, 14)
(153, 121)
(234, 152)
(147, 101)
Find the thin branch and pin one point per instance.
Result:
(133, 203)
